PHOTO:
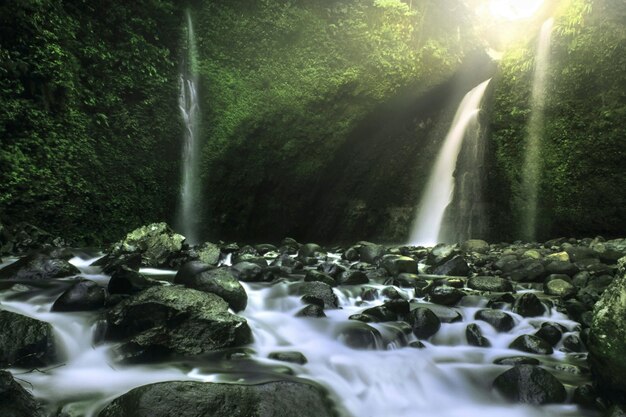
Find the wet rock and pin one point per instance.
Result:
(311, 310)
(475, 337)
(221, 282)
(559, 288)
(359, 335)
(417, 344)
(530, 384)
(250, 258)
(363, 318)
(392, 293)
(15, 401)
(369, 294)
(528, 305)
(249, 272)
(25, 342)
(491, 284)
(558, 256)
(370, 252)
(291, 357)
(445, 314)
(528, 270)
(398, 306)
(315, 293)
(156, 243)
(352, 277)
(560, 267)
(616, 411)
(189, 270)
(475, 245)
(24, 237)
(586, 396)
(457, 266)
(161, 321)
(517, 360)
(500, 320)
(83, 295)
(380, 314)
(110, 264)
(397, 264)
(444, 295)
(208, 253)
(288, 262)
(572, 343)
(549, 333)
(311, 250)
(193, 399)
(441, 254)
(531, 344)
(607, 338)
(424, 322)
(128, 281)
(316, 276)
(37, 266)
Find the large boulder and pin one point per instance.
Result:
(15, 401)
(195, 399)
(456, 266)
(155, 242)
(25, 342)
(38, 266)
(530, 384)
(317, 293)
(125, 280)
(161, 321)
(475, 245)
(607, 337)
(83, 295)
(221, 282)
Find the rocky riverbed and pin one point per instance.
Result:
(153, 327)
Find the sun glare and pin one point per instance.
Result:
(514, 9)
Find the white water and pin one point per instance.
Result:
(531, 174)
(447, 379)
(188, 216)
(439, 190)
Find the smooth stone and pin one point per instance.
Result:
(549, 333)
(221, 282)
(517, 360)
(315, 293)
(424, 323)
(491, 284)
(84, 295)
(25, 342)
(500, 320)
(311, 250)
(530, 385)
(38, 266)
(444, 295)
(317, 276)
(528, 305)
(358, 335)
(559, 288)
(475, 336)
(248, 272)
(475, 245)
(128, 281)
(398, 264)
(291, 357)
(311, 310)
(531, 344)
(15, 401)
(353, 277)
(457, 266)
(370, 252)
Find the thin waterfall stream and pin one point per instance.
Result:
(439, 190)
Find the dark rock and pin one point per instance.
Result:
(334, 270)
(221, 282)
(392, 293)
(249, 258)
(359, 335)
(174, 320)
(128, 281)
(444, 295)
(15, 401)
(441, 254)
(291, 357)
(528, 305)
(417, 344)
(616, 411)
(445, 314)
(586, 396)
(248, 272)
(370, 252)
(397, 264)
(194, 399)
(208, 253)
(456, 266)
(559, 288)
(311, 250)
(531, 344)
(475, 245)
(517, 360)
(156, 243)
(264, 248)
(549, 333)
(369, 294)
(380, 313)
(500, 320)
(406, 280)
(572, 343)
(352, 277)
(311, 310)
(562, 267)
(424, 322)
(189, 270)
(475, 336)
(363, 317)
(316, 276)
(530, 384)
(491, 284)
(287, 261)
(398, 306)
(25, 342)
(529, 270)
(110, 264)
(84, 295)
(24, 237)
(37, 266)
(315, 293)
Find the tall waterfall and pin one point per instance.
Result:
(188, 214)
(440, 188)
(531, 174)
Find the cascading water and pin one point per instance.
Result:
(531, 175)
(439, 190)
(188, 215)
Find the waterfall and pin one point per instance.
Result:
(531, 173)
(188, 214)
(439, 190)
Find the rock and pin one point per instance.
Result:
(311, 310)
(475, 245)
(517, 360)
(424, 322)
(607, 338)
(156, 243)
(311, 250)
(110, 264)
(221, 282)
(380, 314)
(500, 320)
(549, 333)
(532, 254)
(316, 276)
(528, 270)
(572, 343)
(359, 335)
(491, 284)
(352, 277)
(195, 399)
(475, 337)
(315, 293)
(208, 253)
(560, 267)
(161, 321)
(417, 344)
(83, 295)
(560, 288)
(249, 272)
(445, 314)
(189, 270)
(586, 396)
(559, 256)
(291, 357)
(530, 385)
(25, 342)
(15, 401)
(128, 281)
(457, 266)
(528, 305)
(250, 258)
(616, 411)
(370, 252)
(442, 253)
(25, 237)
(531, 344)
(397, 264)
(38, 266)
(444, 295)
